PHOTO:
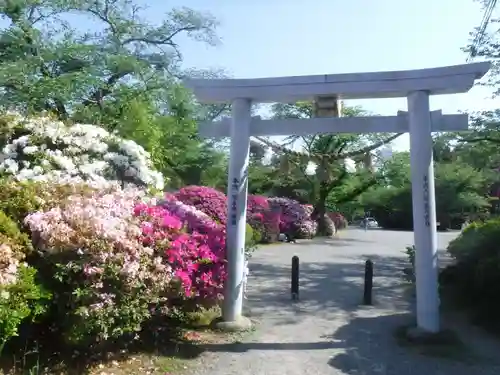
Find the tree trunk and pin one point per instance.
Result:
(319, 212)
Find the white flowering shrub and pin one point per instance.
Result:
(44, 149)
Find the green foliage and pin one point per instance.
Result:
(460, 193)
(20, 301)
(410, 253)
(475, 277)
(10, 229)
(93, 74)
(18, 199)
(391, 206)
(252, 238)
(332, 183)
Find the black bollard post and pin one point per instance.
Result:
(295, 278)
(367, 295)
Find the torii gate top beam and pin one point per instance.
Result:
(436, 81)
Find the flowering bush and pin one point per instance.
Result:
(43, 149)
(197, 221)
(257, 213)
(295, 219)
(257, 203)
(197, 258)
(271, 220)
(194, 219)
(338, 219)
(208, 200)
(20, 296)
(104, 279)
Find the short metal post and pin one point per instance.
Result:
(367, 295)
(295, 278)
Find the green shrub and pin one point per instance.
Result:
(252, 238)
(476, 274)
(21, 297)
(18, 199)
(23, 300)
(10, 229)
(409, 272)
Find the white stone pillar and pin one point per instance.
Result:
(237, 208)
(424, 211)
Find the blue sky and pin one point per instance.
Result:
(263, 38)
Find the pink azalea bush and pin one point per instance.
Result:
(263, 221)
(271, 220)
(196, 256)
(257, 204)
(9, 264)
(194, 219)
(208, 200)
(94, 260)
(295, 219)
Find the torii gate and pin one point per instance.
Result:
(416, 85)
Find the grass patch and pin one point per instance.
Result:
(168, 346)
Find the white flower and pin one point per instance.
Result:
(11, 166)
(37, 170)
(28, 150)
(82, 153)
(21, 141)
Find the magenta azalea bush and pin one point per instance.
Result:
(257, 204)
(194, 219)
(208, 200)
(262, 219)
(196, 257)
(295, 219)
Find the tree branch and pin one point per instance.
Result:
(98, 95)
(480, 139)
(368, 148)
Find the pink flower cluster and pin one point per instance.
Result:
(80, 219)
(208, 200)
(197, 257)
(295, 218)
(257, 204)
(93, 244)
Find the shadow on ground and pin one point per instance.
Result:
(366, 339)
(326, 288)
(371, 346)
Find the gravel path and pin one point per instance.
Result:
(328, 331)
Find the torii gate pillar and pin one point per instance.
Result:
(424, 211)
(237, 208)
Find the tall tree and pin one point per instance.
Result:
(328, 153)
(123, 74)
(47, 64)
